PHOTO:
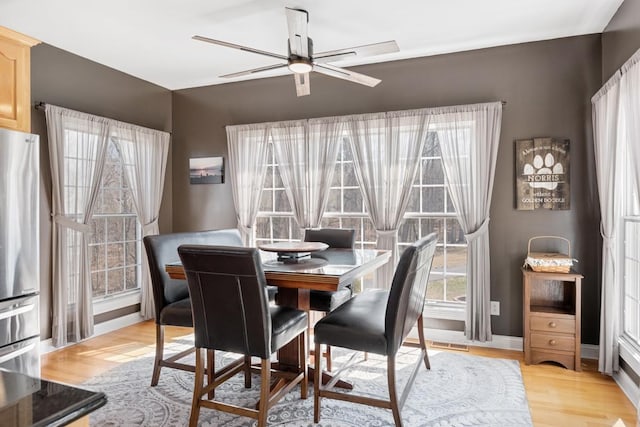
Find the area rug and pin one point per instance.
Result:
(459, 390)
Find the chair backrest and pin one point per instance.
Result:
(408, 291)
(163, 249)
(228, 298)
(334, 237)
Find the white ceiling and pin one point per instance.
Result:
(151, 39)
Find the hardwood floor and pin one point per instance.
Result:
(557, 396)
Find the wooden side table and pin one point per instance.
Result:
(552, 317)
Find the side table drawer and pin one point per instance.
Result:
(550, 324)
(553, 342)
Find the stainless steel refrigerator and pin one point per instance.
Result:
(19, 252)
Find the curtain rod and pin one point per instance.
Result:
(41, 106)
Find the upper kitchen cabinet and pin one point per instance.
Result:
(15, 80)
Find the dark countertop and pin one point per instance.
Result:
(28, 401)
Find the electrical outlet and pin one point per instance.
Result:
(495, 308)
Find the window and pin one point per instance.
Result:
(630, 245)
(115, 239)
(345, 208)
(430, 209)
(275, 221)
(631, 280)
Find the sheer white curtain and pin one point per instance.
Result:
(144, 154)
(630, 93)
(386, 151)
(77, 147)
(607, 141)
(469, 137)
(306, 152)
(247, 146)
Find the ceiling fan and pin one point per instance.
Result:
(302, 60)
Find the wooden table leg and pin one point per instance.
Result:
(288, 359)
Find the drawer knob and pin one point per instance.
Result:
(552, 342)
(552, 324)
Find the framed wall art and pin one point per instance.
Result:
(206, 170)
(542, 174)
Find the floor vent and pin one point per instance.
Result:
(449, 346)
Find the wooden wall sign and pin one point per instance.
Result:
(542, 174)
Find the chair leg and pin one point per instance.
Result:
(328, 356)
(159, 354)
(393, 395)
(423, 343)
(309, 329)
(327, 353)
(303, 356)
(265, 386)
(211, 372)
(197, 388)
(247, 371)
(317, 381)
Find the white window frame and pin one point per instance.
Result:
(629, 252)
(113, 301)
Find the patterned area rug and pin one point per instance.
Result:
(459, 390)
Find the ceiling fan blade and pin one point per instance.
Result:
(335, 57)
(297, 23)
(303, 86)
(359, 51)
(345, 74)
(239, 47)
(255, 70)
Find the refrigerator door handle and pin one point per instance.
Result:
(16, 353)
(15, 310)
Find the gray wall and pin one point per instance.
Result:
(621, 37)
(547, 86)
(67, 80)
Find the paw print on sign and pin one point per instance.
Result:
(546, 166)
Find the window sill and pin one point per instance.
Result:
(630, 353)
(115, 302)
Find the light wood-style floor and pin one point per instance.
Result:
(557, 397)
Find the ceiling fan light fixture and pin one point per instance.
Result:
(300, 66)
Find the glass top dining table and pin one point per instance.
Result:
(325, 270)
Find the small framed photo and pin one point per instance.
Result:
(206, 170)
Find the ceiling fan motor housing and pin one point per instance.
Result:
(301, 64)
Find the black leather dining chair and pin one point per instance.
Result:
(327, 301)
(171, 296)
(231, 312)
(379, 321)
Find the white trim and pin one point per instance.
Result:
(46, 346)
(110, 303)
(457, 337)
(629, 354)
(628, 386)
(504, 342)
(590, 351)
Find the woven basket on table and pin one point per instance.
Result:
(549, 262)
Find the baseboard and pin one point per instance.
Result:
(628, 386)
(46, 346)
(503, 342)
(590, 351)
(457, 337)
